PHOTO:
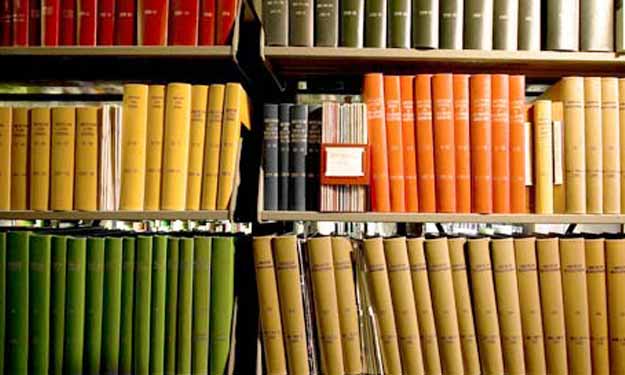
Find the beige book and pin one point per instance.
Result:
(423, 303)
(348, 310)
(212, 146)
(269, 306)
(380, 292)
(39, 158)
(615, 269)
(611, 145)
(621, 94)
(6, 115)
(291, 305)
(19, 158)
(574, 140)
(485, 307)
(87, 151)
(597, 305)
(154, 160)
(464, 307)
(543, 157)
(199, 103)
(552, 305)
(62, 157)
(326, 305)
(508, 310)
(396, 254)
(529, 302)
(559, 180)
(594, 145)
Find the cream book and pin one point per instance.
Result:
(597, 304)
(615, 270)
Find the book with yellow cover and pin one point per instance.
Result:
(39, 158)
(621, 95)
(62, 158)
(6, 115)
(594, 145)
(199, 98)
(611, 145)
(87, 149)
(615, 270)
(543, 157)
(19, 158)
(597, 304)
(154, 142)
(214, 117)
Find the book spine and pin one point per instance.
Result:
(620, 27)
(392, 101)
(425, 23)
(94, 304)
(481, 143)
(352, 24)
(312, 332)
(152, 21)
(559, 182)
(212, 147)
(597, 26)
(39, 159)
(197, 133)
(3, 300)
(6, 39)
(313, 156)
(611, 145)
(57, 303)
(158, 303)
(141, 324)
(62, 158)
(105, 22)
(301, 22)
(201, 304)
(276, 22)
(87, 124)
(505, 24)
(529, 25)
(75, 306)
(543, 151)
(399, 23)
(615, 263)
(20, 19)
(563, 25)
(154, 142)
(597, 305)
(206, 35)
(297, 162)
(50, 22)
(185, 307)
(408, 143)
(594, 145)
(451, 24)
(425, 143)
(39, 259)
(517, 144)
(326, 23)
(125, 29)
(284, 136)
(171, 304)
(67, 32)
(127, 298)
(19, 158)
(270, 157)
(34, 23)
(224, 23)
(621, 89)
(375, 23)
(462, 142)
(500, 112)
(444, 150)
(111, 305)
(17, 323)
(183, 30)
(86, 29)
(6, 115)
(478, 24)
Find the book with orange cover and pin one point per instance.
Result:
(462, 141)
(517, 144)
(444, 155)
(481, 144)
(408, 140)
(425, 143)
(394, 143)
(373, 92)
(500, 112)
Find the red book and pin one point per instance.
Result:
(106, 22)
(34, 23)
(152, 19)
(517, 144)
(68, 23)
(481, 144)
(392, 101)
(184, 23)
(125, 29)
(408, 139)
(444, 153)
(87, 16)
(501, 143)
(207, 22)
(425, 143)
(50, 19)
(5, 23)
(226, 13)
(462, 142)
(20, 12)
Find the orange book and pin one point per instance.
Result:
(500, 112)
(408, 139)
(425, 143)
(445, 165)
(373, 92)
(517, 144)
(394, 145)
(481, 144)
(462, 141)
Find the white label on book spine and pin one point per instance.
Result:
(558, 175)
(344, 162)
(529, 160)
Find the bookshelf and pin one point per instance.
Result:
(115, 215)
(206, 53)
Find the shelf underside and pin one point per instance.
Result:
(114, 215)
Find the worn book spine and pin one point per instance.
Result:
(17, 322)
(39, 302)
(425, 143)
(301, 23)
(594, 145)
(611, 145)
(375, 23)
(326, 23)
(563, 25)
(481, 144)
(615, 271)
(500, 112)
(197, 134)
(444, 152)
(154, 143)
(297, 162)
(543, 154)
(270, 157)
(529, 25)
(20, 134)
(313, 157)
(276, 22)
(451, 24)
(171, 304)
(158, 302)
(574, 137)
(352, 23)
(505, 24)
(201, 304)
(597, 304)
(143, 291)
(185, 307)
(597, 25)
(478, 24)
(57, 303)
(517, 144)
(392, 101)
(75, 306)
(127, 298)
(94, 304)
(284, 136)
(462, 141)
(425, 23)
(111, 304)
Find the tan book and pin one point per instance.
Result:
(559, 173)
(199, 103)
(597, 305)
(423, 302)
(621, 95)
(508, 309)
(62, 156)
(87, 149)
(485, 307)
(396, 254)
(543, 157)
(6, 115)
(154, 161)
(611, 145)
(380, 291)
(291, 305)
(269, 306)
(464, 307)
(348, 310)
(615, 269)
(529, 302)
(326, 305)
(19, 158)
(552, 305)
(39, 158)
(594, 145)
(214, 116)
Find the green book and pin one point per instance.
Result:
(128, 286)
(425, 23)
(75, 306)
(276, 22)
(143, 283)
(157, 316)
(3, 262)
(301, 23)
(326, 23)
(39, 303)
(201, 304)
(171, 307)
(112, 305)
(57, 303)
(16, 350)
(375, 23)
(352, 23)
(185, 307)
(93, 313)
(399, 22)
(222, 302)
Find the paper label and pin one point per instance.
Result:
(558, 177)
(344, 162)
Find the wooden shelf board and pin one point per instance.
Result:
(120, 51)
(114, 215)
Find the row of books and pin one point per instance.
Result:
(125, 23)
(501, 305)
(165, 148)
(91, 301)
(561, 25)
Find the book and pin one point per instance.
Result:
(20, 20)
(62, 158)
(74, 344)
(517, 144)
(34, 23)
(39, 269)
(94, 300)
(462, 141)
(6, 115)
(481, 143)
(611, 145)
(111, 313)
(142, 308)
(425, 23)
(529, 25)
(224, 22)
(171, 304)
(596, 282)
(17, 306)
(197, 133)
(501, 142)
(3, 300)
(298, 135)
(201, 304)
(152, 16)
(615, 261)
(505, 24)
(206, 35)
(158, 302)
(375, 23)
(284, 154)
(621, 93)
(444, 145)
(478, 24)
(185, 306)
(559, 181)
(58, 282)
(154, 142)
(594, 145)
(212, 146)
(313, 157)
(6, 39)
(562, 25)
(620, 27)
(105, 22)
(399, 23)
(314, 357)
(87, 147)
(276, 22)
(301, 23)
(451, 24)
(543, 154)
(393, 115)
(574, 137)
(19, 158)
(86, 22)
(39, 158)
(129, 245)
(125, 24)
(326, 23)
(596, 25)
(425, 143)
(270, 157)
(408, 143)
(67, 25)
(352, 23)
(183, 24)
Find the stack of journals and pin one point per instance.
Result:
(90, 301)
(499, 305)
(125, 23)
(446, 24)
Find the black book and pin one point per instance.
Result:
(315, 113)
(297, 163)
(270, 156)
(284, 138)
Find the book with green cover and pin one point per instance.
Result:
(201, 304)
(16, 350)
(276, 22)
(399, 23)
(57, 303)
(451, 15)
(112, 305)
(157, 315)
(478, 24)
(75, 306)
(352, 23)
(143, 283)
(93, 313)
(3, 263)
(222, 301)
(39, 303)
(185, 307)
(425, 23)
(375, 23)
(326, 23)
(171, 304)
(301, 23)
(128, 286)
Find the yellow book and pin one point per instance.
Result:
(40, 159)
(154, 156)
(236, 112)
(212, 146)
(133, 150)
(62, 156)
(199, 97)
(615, 270)
(611, 145)
(6, 115)
(597, 305)
(19, 159)
(559, 173)
(543, 157)
(621, 95)
(594, 145)
(87, 149)
(176, 146)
